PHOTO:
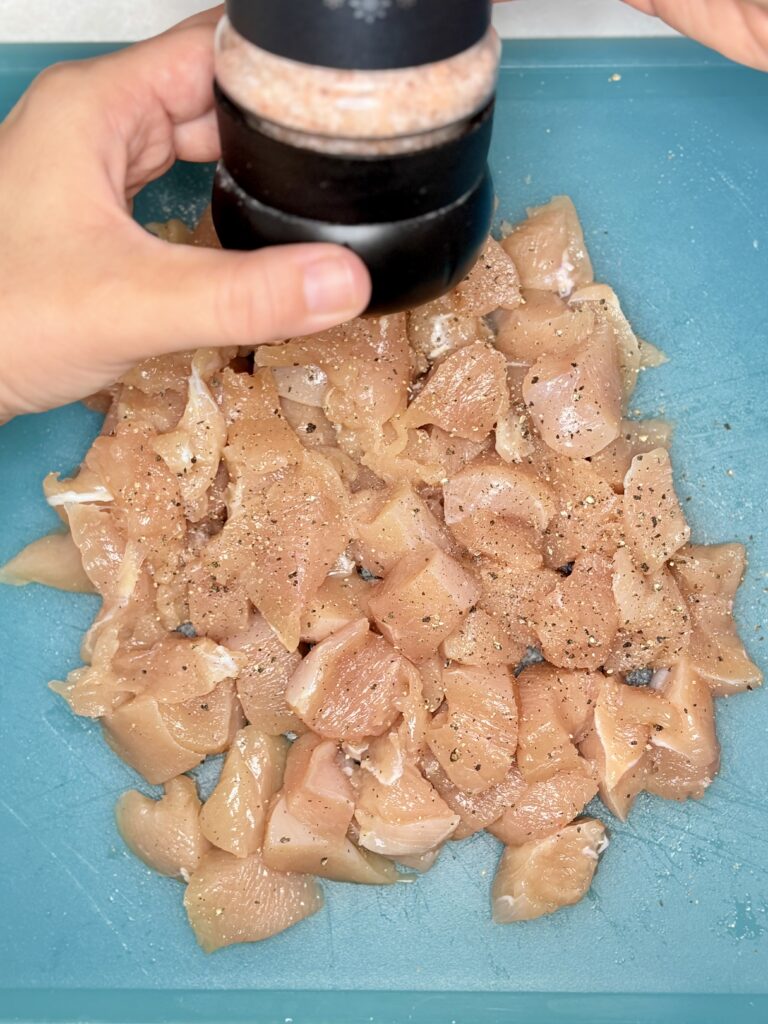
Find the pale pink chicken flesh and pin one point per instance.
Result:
(546, 874)
(474, 736)
(235, 813)
(230, 900)
(349, 685)
(548, 249)
(166, 833)
(415, 577)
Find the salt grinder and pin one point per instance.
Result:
(361, 122)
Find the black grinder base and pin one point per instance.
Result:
(419, 220)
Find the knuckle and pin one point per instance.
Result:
(54, 78)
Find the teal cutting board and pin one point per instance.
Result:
(668, 164)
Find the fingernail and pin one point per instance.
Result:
(331, 287)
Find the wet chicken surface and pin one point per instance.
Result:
(415, 577)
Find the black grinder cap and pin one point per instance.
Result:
(370, 35)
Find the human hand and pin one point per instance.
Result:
(737, 28)
(85, 292)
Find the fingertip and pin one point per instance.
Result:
(361, 280)
(337, 285)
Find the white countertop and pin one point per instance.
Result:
(73, 20)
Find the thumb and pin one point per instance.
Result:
(187, 297)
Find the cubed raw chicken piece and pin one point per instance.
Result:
(547, 874)
(422, 601)
(481, 640)
(309, 821)
(575, 400)
(158, 413)
(545, 738)
(709, 578)
(311, 425)
(513, 595)
(192, 451)
(588, 516)
(636, 438)
(653, 519)
(316, 788)
(231, 899)
(140, 736)
(206, 724)
(305, 386)
(53, 561)
(548, 249)
(350, 685)
(476, 810)
(406, 818)
(503, 490)
(465, 393)
(340, 601)
(86, 487)
(654, 617)
(372, 352)
(436, 329)
(493, 283)
(401, 521)
(147, 502)
(474, 734)
(577, 622)
(625, 717)
(263, 678)
(234, 815)
(164, 833)
(542, 808)
(178, 668)
(687, 755)
(604, 302)
(291, 844)
(543, 325)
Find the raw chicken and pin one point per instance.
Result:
(474, 736)
(605, 305)
(654, 617)
(577, 621)
(625, 718)
(612, 463)
(400, 522)
(193, 450)
(709, 578)
(540, 809)
(548, 249)
(687, 754)
(422, 601)
(476, 810)
(406, 818)
(340, 601)
(230, 899)
(575, 400)
(262, 680)
(308, 824)
(415, 576)
(349, 685)
(53, 561)
(653, 520)
(235, 813)
(464, 395)
(164, 833)
(544, 325)
(544, 875)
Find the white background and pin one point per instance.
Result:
(37, 20)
